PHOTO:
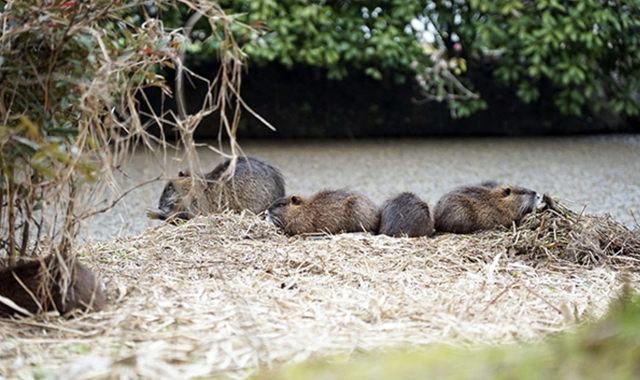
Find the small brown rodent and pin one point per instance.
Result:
(406, 215)
(85, 292)
(254, 185)
(331, 211)
(471, 208)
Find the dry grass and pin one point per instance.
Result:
(226, 294)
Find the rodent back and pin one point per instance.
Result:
(363, 214)
(456, 212)
(406, 215)
(253, 185)
(331, 211)
(343, 211)
(472, 208)
(85, 290)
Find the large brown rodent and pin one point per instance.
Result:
(406, 215)
(85, 292)
(254, 185)
(471, 208)
(331, 211)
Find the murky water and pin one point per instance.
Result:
(599, 172)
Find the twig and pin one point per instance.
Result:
(500, 295)
(495, 299)
(107, 208)
(542, 298)
(580, 216)
(634, 218)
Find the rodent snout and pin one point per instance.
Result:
(155, 214)
(273, 219)
(269, 216)
(538, 198)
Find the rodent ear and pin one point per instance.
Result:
(295, 200)
(183, 174)
(506, 192)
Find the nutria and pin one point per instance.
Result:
(84, 292)
(254, 185)
(489, 205)
(406, 215)
(331, 211)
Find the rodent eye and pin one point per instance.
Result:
(506, 192)
(295, 201)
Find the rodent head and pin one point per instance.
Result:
(175, 199)
(280, 208)
(518, 200)
(174, 192)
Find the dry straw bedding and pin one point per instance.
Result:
(228, 293)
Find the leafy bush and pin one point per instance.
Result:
(588, 50)
(69, 74)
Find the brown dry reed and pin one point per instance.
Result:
(72, 83)
(556, 234)
(226, 294)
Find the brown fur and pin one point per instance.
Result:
(331, 211)
(406, 215)
(254, 186)
(85, 292)
(489, 205)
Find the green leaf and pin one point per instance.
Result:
(618, 106)
(64, 132)
(373, 72)
(632, 108)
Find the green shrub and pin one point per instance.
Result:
(69, 74)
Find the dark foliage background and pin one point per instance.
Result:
(354, 68)
(301, 103)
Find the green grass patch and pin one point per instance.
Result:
(608, 349)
